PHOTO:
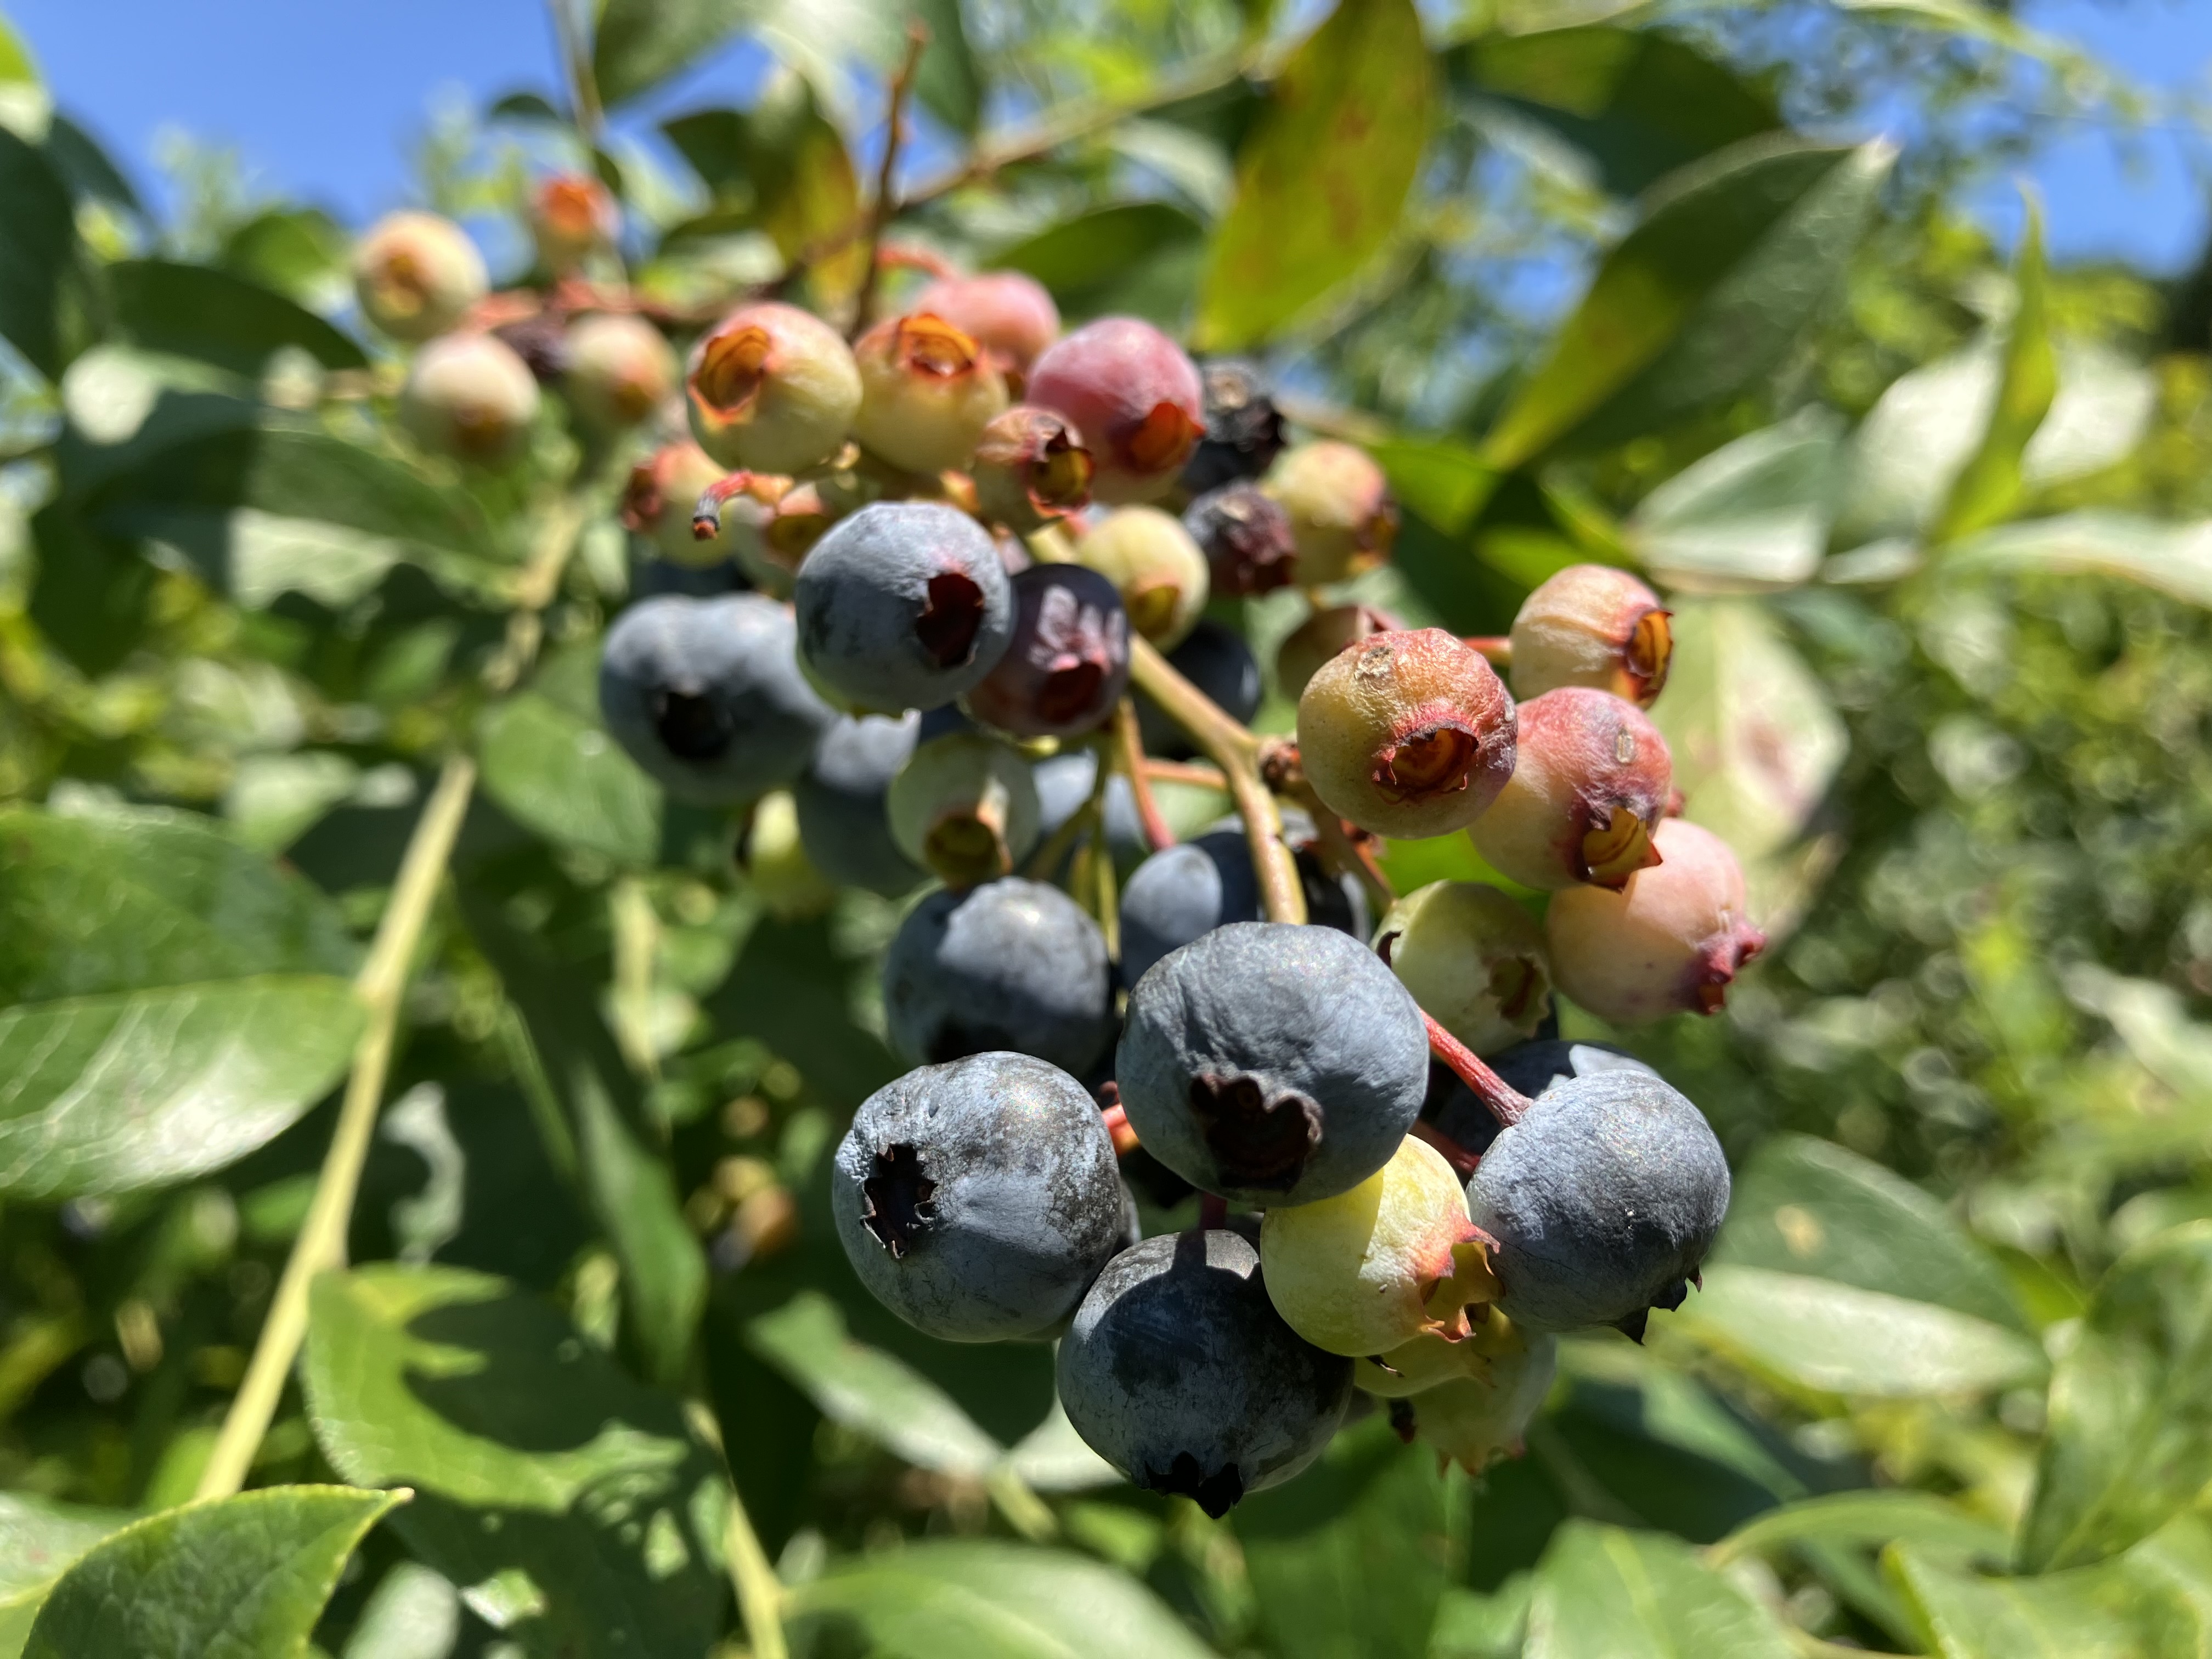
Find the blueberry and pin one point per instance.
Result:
(1604, 1199)
(1273, 1064)
(841, 815)
(1010, 964)
(1244, 428)
(705, 695)
(904, 604)
(1534, 1068)
(1246, 538)
(1069, 661)
(978, 1201)
(1179, 1372)
(1196, 886)
(1216, 660)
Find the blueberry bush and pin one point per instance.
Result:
(1119, 831)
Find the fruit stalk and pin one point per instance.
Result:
(1496, 648)
(381, 985)
(1499, 1098)
(576, 58)
(1131, 741)
(535, 588)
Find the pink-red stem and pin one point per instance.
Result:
(1499, 1098)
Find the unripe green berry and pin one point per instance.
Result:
(619, 370)
(964, 807)
(1030, 470)
(1370, 1269)
(772, 389)
(1591, 781)
(1592, 625)
(1474, 960)
(1431, 1359)
(789, 885)
(1472, 1421)
(926, 393)
(1341, 514)
(1321, 636)
(417, 275)
(469, 396)
(572, 217)
(1669, 942)
(1161, 574)
(1406, 734)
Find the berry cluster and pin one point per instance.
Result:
(927, 565)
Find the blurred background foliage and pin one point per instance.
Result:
(1595, 280)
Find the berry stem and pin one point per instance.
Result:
(1131, 742)
(1340, 849)
(380, 986)
(1496, 648)
(1499, 1098)
(1212, 1211)
(1196, 774)
(885, 206)
(1454, 1154)
(576, 58)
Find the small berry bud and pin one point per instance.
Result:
(1472, 1420)
(1373, 1268)
(1591, 625)
(1321, 636)
(1009, 314)
(1431, 1359)
(926, 393)
(1668, 942)
(1069, 662)
(1591, 781)
(1161, 574)
(1406, 734)
(661, 500)
(964, 808)
(417, 275)
(1474, 960)
(1030, 470)
(1340, 507)
(1243, 429)
(1135, 397)
(571, 218)
(469, 396)
(772, 389)
(619, 370)
(1246, 538)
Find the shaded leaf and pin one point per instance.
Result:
(2131, 1417)
(569, 1502)
(564, 778)
(1735, 255)
(1322, 179)
(84, 167)
(1990, 483)
(1602, 1593)
(948, 82)
(1753, 514)
(38, 246)
(197, 311)
(1139, 258)
(242, 1577)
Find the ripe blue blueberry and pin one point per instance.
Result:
(1604, 1199)
(978, 1201)
(904, 604)
(1216, 660)
(1010, 964)
(1196, 886)
(842, 816)
(706, 694)
(1534, 1068)
(1273, 1064)
(1179, 1372)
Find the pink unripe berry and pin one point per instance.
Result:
(572, 217)
(1591, 625)
(1010, 315)
(1591, 781)
(926, 393)
(1323, 635)
(619, 370)
(417, 275)
(1669, 942)
(1372, 1268)
(469, 396)
(1339, 502)
(964, 807)
(1157, 569)
(1069, 662)
(1134, 395)
(1406, 734)
(1473, 958)
(772, 389)
(1030, 470)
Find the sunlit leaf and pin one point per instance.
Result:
(38, 1539)
(1603, 1592)
(2170, 558)
(1139, 258)
(1991, 483)
(563, 777)
(1753, 514)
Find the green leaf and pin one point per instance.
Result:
(1350, 1558)
(870, 1391)
(1639, 104)
(1321, 182)
(1603, 1592)
(84, 168)
(300, 253)
(1992, 483)
(564, 778)
(962, 1599)
(242, 1577)
(197, 311)
(948, 82)
(37, 249)
(2170, 558)
(1754, 513)
(1803, 1205)
(1829, 1338)
(1134, 257)
(2129, 1440)
(39, 1538)
(1735, 255)
(1442, 479)
(569, 1502)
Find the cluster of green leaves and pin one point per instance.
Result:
(1931, 526)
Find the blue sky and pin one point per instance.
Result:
(323, 98)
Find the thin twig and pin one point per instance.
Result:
(760, 1592)
(886, 206)
(1499, 1098)
(1196, 775)
(1132, 740)
(380, 986)
(1342, 849)
(535, 588)
(576, 58)
(1497, 649)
